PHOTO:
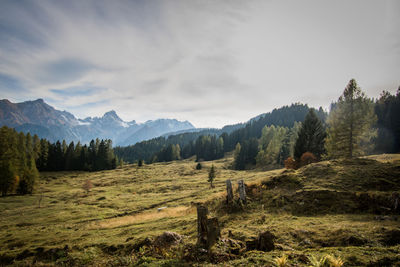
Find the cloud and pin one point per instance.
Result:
(64, 70)
(84, 90)
(209, 62)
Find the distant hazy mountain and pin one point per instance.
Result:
(39, 118)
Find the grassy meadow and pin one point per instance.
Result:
(337, 208)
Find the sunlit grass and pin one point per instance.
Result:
(122, 208)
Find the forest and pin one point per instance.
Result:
(204, 144)
(23, 156)
(286, 134)
(290, 136)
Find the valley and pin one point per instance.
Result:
(326, 208)
(199, 133)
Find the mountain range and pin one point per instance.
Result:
(37, 117)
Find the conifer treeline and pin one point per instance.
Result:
(18, 152)
(387, 109)
(210, 147)
(148, 149)
(207, 144)
(356, 126)
(276, 136)
(21, 156)
(59, 156)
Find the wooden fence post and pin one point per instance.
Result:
(242, 191)
(202, 226)
(229, 192)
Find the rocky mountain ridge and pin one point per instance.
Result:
(37, 117)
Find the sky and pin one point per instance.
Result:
(212, 63)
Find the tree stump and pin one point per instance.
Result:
(242, 192)
(213, 232)
(229, 192)
(395, 199)
(208, 230)
(202, 226)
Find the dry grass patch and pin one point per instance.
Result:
(385, 157)
(142, 217)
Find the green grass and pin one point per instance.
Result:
(338, 208)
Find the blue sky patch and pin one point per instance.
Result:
(9, 83)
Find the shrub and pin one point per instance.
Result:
(198, 166)
(140, 163)
(290, 163)
(307, 158)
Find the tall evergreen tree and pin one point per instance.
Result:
(18, 172)
(28, 177)
(350, 124)
(69, 157)
(41, 162)
(36, 146)
(211, 176)
(77, 161)
(238, 162)
(271, 143)
(311, 137)
(8, 160)
(387, 109)
(21, 151)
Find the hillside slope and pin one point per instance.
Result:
(341, 208)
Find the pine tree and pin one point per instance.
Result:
(101, 157)
(350, 124)
(8, 160)
(28, 171)
(211, 176)
(41, 162)
(293, 135)
(387, 108)
(69, 157)
(29, 177)
(36, 147)
(271, 143)
(176, 152)
(111, 160)
(198, 166)
(311, 137)
(21, 151)
(77, 164)
(239, 157)
(92, 153)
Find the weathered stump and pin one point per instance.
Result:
(242, 191)
(208, 230)
(395, 200)
(229, 192)
(202, 226)
(264, 242)
(213, 232)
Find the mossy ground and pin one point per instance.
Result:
(341, 208)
